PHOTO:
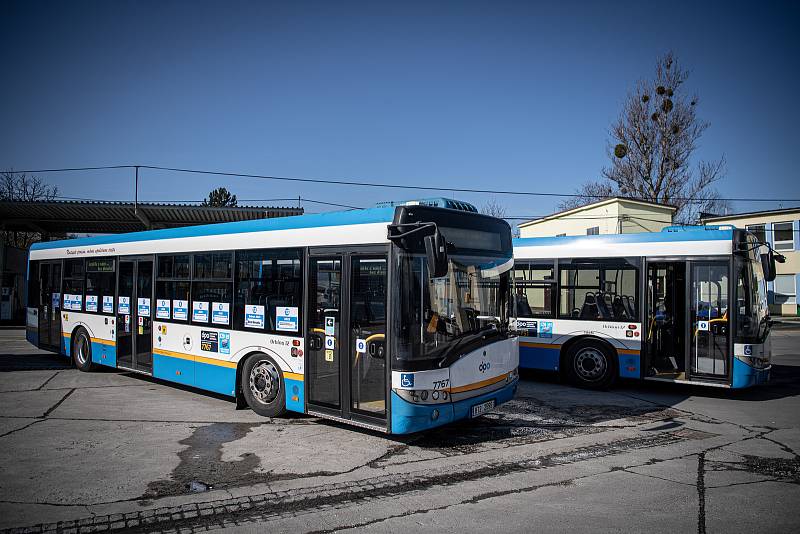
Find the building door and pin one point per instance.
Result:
(346, 371)
(134, 314)
(50, 305)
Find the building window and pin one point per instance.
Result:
(759, 231)
(785, 290)
(594, 230)
(784, 237)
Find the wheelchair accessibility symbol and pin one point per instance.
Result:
(406, 380)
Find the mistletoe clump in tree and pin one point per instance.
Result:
(651, 148)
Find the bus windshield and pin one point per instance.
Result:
(443, 318)
(752, 325)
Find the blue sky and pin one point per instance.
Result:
(509, 95)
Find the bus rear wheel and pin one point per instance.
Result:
(262, 386)
(82, 350)
(590, 364)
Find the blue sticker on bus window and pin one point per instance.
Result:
(143, 307)
(162, 309)
(545, 329)
(108, 304)
(224, 343)
(220, 313)
(286, 318)
(200, 312)
(56, 300)
(180, 310)
(254, 316)
(91, 303)
(124, 306)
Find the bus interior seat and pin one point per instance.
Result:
(590, 310)
(522, 305)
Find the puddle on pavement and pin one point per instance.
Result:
(201, 467)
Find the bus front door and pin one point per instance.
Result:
(134, 314)
(50, 305)
(708, 313)
(346, 371)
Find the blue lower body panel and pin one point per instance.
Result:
(544, 358)
(629, 366)
(745, 376)
(173, 369)
(408, 417)
(215, 378)
(295, 400)
(65, 345)
(104, 354)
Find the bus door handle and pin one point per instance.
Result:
(315, 342)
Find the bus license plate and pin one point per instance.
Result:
(482, 408)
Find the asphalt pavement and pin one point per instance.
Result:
(87, 452)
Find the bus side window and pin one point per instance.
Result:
(267, 280)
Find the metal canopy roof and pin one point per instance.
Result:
(59, 217)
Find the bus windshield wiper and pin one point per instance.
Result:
(468, 336)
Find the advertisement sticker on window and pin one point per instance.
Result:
(200, 312)
(220, 313)
(143, 307)
(254, 316)
(162, 309)
(124, 306)
(108, 304)
(91, 303)
(286, 318)
(180, 310)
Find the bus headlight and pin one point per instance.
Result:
(513, 375)
(423, 396)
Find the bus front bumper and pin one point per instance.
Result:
(408, 417)
(745, 376)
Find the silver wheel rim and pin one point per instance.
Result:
(265, 382)
(80, 350)
(590, 364)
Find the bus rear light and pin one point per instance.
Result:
(631, 327)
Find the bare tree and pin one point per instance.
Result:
(651, 148)
(19, 187)
(494, 208)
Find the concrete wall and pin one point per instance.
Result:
(633, 217)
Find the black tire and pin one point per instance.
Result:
(262, 385)
(590, 364)
(81, 350)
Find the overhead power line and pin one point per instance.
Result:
(374, 184)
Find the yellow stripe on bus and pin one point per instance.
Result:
(293, 376)
(193, 358)
(103, 341)
(539, 345)
(478, 385)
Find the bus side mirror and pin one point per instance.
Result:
(436, 253)
(768, 265)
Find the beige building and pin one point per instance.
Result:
(781, 229)
(612, 216)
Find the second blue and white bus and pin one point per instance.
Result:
(687, 305)
(392, 318)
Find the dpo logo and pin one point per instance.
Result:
(406, 380)
(484, 366)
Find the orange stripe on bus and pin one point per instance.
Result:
(478, 385)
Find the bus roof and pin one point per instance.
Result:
(333, 218)
(673, 241)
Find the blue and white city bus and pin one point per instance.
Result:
(688, 304)
(393, 318)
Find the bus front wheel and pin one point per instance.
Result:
(82, 350)
(590, 364)
(262, 386)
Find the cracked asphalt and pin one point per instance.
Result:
(110, 451)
